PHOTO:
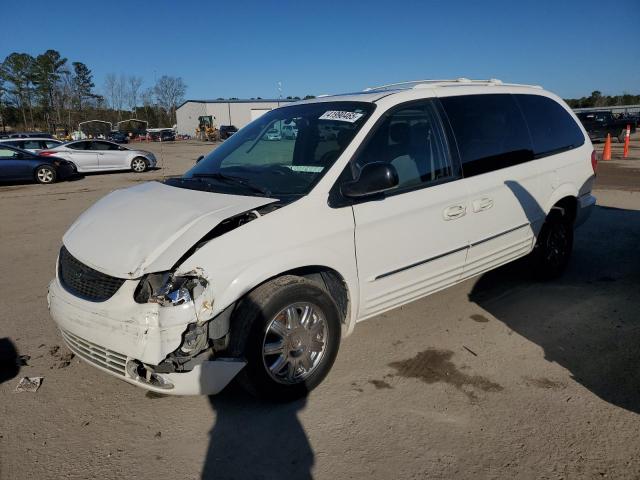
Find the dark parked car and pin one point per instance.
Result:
(30, 135)
(599, 124)
(163, 136)
(118, 137)
(34, 145)
(226, 131)
(16, 164)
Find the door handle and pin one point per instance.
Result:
(481, 204)
(454, 211)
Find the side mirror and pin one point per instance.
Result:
(374, 178)
(199, 158)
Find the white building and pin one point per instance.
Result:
(222, 112)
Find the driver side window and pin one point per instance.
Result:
(78, 145)
(412, 141)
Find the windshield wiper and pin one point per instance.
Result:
(234, 179)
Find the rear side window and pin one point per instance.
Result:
(489, 130)
(32, 144)
(103, 146)
(552, 129)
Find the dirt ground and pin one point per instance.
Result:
(498, 377)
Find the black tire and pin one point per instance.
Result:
(553, 248)
(139, 161)
(249, 333)
(45, 174)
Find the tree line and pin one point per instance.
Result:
(597, 99)
(47, 92)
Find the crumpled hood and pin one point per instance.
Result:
(147, 228)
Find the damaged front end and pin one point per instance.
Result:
(202, 339)
(158, 332)
(123, 304)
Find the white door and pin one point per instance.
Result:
(501, 178)
(258, 112)
(109, 155)
(82, 156)
(412, 240)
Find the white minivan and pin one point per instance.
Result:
(258, 260)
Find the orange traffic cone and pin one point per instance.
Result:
(627, 138)
(606, 155)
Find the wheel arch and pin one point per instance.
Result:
(564, 198)
(566, 207)
(327, 278)
(337, 284)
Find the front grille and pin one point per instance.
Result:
(96, 354)
(85, 282)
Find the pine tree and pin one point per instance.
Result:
(82, 83)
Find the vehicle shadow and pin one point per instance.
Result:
(587, 321)
(256, 439)
(14, 183)
(124, 170)
(9, 367)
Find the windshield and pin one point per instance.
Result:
(283, 153)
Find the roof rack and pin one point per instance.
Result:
(415, 84)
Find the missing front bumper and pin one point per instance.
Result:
(207, 378)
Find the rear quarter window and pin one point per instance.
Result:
(552, 128)
(489, 130)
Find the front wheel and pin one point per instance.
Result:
(553, 248)
(45, 174)
(139, 164)
(288, 330)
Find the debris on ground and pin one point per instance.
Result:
(29, 384)
(22, 360)
(63, 360)
(470, 351)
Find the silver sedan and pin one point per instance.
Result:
(99, 155)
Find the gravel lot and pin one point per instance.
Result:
(498, 377)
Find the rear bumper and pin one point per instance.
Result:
(118, 334)
(586, 203)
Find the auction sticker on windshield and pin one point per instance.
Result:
(341, 116)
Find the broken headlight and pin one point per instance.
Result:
(169, 289)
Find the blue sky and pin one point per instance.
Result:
(243, 48)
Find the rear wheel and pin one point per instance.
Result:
(288, 330)
(139, 164)
(45, 174)
(554, 245)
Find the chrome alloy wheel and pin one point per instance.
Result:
(45, 175)
(138, 165)
(294, 343)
